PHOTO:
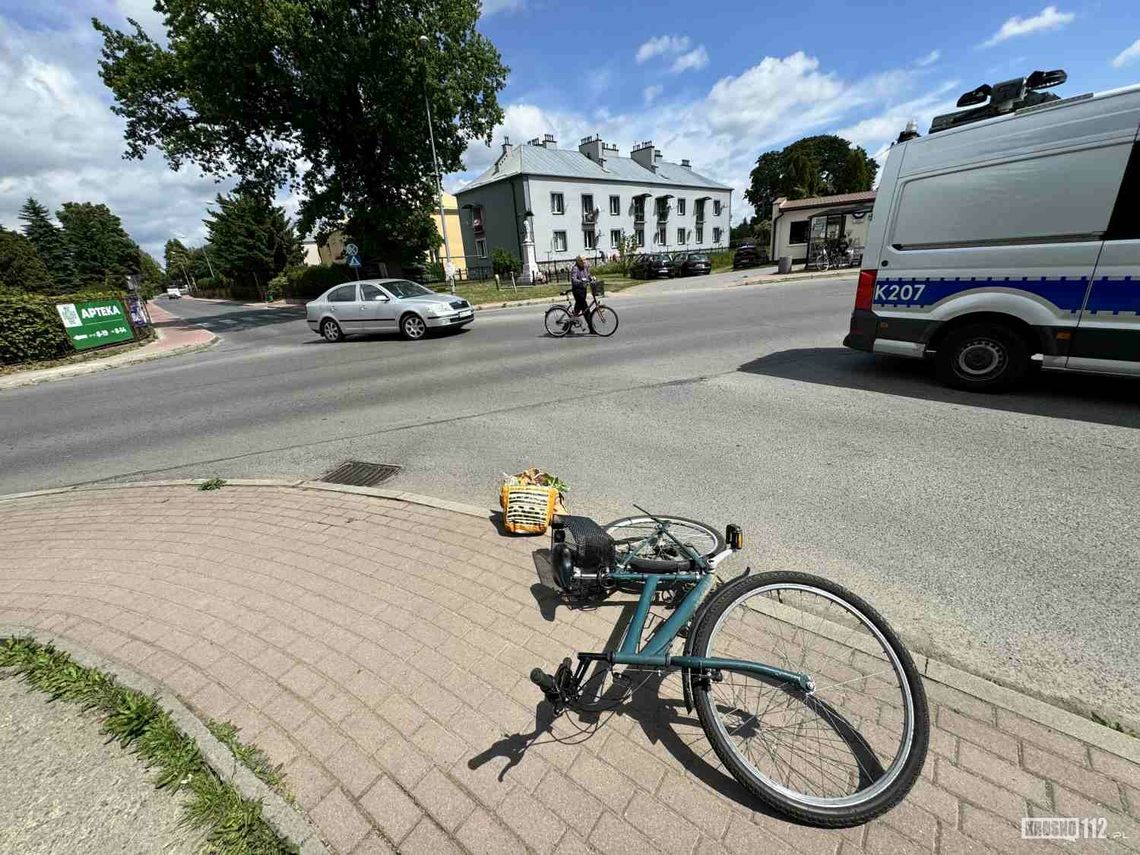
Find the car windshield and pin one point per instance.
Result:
(698, 257)
(403, 288)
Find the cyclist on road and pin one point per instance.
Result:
(579, 281)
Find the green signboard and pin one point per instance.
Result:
(95, 323)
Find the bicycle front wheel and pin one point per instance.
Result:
(629, 535)
(605, 321)
(558, 321)
(839, 754)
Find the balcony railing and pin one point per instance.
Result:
(590, 218)
(663, 213)
(639, 216)
(477, 225)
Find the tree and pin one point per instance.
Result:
(174, 258)
(21, 266)
(504, 262)
(102, 254)
(628, 250)
(810, 166)
(49, 242)
(251, 241)
(326, 97)
(854, 175)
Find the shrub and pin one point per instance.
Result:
(308, 283)
(504, 263)
(434, 272)
(30, 329)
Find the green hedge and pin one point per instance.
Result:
(308, 283)
(30, 328)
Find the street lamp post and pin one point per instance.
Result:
(424, 42)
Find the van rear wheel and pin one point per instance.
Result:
(982, 358)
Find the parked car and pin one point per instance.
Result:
(174, 293)
(385, 305)
(748, 256)
(652, 266)
(692, 264)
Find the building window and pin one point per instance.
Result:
(615, 238)
(557, 205)
(587, 203)
(477, 219)
(700, 234)
(640, 237)
(716, 236)
(680, 207)
(481, 248)
(798, 232)
(716, 207)
(662, 236)
(590, 239)
(639, 208)
(615, 206)
(560, 241)
(680, 235)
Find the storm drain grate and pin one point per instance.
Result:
(358, 474)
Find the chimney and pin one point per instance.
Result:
(593, 148)
(656, 156)
(685, 163)
(642, 154)
(535, 141)
(503, 153)
(548, 141)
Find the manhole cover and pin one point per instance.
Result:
(357, 474)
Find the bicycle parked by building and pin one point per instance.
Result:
(599, 318)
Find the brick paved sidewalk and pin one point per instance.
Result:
(380, 650)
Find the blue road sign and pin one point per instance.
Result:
(354, 261)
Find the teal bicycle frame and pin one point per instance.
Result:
(654, 653)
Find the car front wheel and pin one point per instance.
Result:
(413, 327)
(982, 358)
(331, 330)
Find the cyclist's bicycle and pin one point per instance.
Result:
(561, 319)
(808, 697)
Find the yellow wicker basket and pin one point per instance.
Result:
(527, 510)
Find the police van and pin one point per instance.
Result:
(1008, 237)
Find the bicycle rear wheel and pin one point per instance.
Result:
(605, 321)
(558, 321)
(846, 751)
(666, 557)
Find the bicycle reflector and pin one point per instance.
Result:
(865, 291)
(734, 537)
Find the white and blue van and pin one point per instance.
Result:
(1008, 238)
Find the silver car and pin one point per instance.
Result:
(385, 305)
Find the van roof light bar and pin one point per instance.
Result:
(1004, 97)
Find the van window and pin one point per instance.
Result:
(1060, 196)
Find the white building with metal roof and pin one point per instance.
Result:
(582, 201)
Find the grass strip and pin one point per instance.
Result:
(230, 823)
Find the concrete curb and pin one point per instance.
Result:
(61, 372)
(1035, 710)
(285, 819)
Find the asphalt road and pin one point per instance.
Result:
(998, 533)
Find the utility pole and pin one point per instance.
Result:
(424, 43)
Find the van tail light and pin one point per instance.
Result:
(866, 290)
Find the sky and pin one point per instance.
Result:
(716, 82)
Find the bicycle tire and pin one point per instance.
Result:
(904, 768)
(609, 321)
(621, 529)
(557, 321)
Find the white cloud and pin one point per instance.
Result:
(695, 59)
(62, 143)
(1047, 19)
(492, 7)
(766, 106)
(661, 46)
(1129, 55)
(929, 59)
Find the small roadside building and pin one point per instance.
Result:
(797, 224)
